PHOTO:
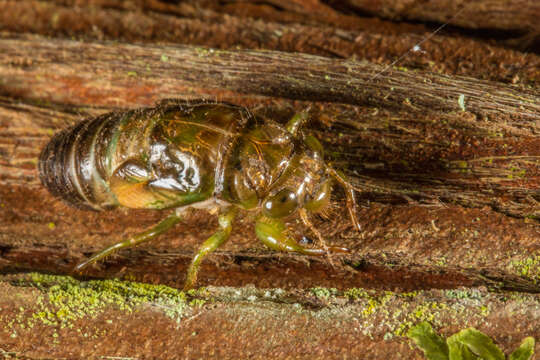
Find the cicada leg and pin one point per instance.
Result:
(294, 124)
(273, 233)
(149, 234)
(309, 224)
(212, 243)
(349, 192)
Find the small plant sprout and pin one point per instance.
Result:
(468, 344)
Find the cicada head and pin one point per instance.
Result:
(305, 184)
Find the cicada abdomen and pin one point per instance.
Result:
(71, 165)
(149, 158)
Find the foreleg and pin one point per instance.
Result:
(274, 234)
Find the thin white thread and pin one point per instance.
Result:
(416, 46)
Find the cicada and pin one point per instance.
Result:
(215, 156)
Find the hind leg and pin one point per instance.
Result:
(211, 244)
(147, 235)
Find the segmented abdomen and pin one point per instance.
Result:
(159, 157)
(71, 165)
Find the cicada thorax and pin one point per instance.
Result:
(258, 160)
(152, 158)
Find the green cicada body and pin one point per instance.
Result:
(151, 158)
(200, 154)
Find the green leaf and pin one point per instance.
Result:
(432, 345)
(480, 344)
(524, 351)
(458, 350)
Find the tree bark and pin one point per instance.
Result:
(486, 162)
(35, 65)
(446, 161)
(521, 15)
(398, 170)
(308, 28)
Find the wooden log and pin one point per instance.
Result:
(520, 15)
(449, 193)
(307, 27)
(35, 67)
(39, 232)
(113, 319)
(64, 72)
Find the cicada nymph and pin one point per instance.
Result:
(208, 155)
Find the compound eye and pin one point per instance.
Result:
(280, 205)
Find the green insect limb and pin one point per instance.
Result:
(273, 233)
(349, 192)
(212, 243)
(149, 234)
(294, 124)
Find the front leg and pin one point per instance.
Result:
(274, 234)
(296, 122)
(212, 243)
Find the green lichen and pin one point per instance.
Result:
(201, 52)
(357, 293)
(325, 293)
(197, 302)
(528, 268)
(463, 294)
(64, 299)
(401, 68)
(398, 312)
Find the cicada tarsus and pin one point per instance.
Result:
(215, 156)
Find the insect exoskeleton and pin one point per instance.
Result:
(195, 154)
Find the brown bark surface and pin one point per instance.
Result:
(514, 15)
(38, 65)
(444, 145)
(262, 26)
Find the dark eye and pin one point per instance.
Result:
(281, 204)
